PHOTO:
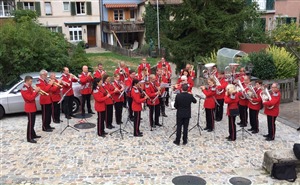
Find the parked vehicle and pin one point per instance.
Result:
(11, 100)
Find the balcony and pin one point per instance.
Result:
(267, 6)
(123, 26)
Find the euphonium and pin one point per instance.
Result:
(265, 96)
(251, 93)
(207, 72)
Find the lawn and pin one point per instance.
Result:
(111, 61)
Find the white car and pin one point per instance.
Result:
(11, 100)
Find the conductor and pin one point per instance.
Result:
(183, 105)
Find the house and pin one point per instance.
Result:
(122, 22)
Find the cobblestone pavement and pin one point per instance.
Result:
(83, 158)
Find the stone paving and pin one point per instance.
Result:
(83, 158)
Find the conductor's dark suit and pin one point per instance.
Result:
(183, 103)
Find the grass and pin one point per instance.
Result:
(111, 61)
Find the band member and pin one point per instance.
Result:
(167, 72)
(29, 94)
(153, 91)
(241, 76)
(144, 65)
(190, 81)
(128, 84)
(232, 100)
(123, 71)
(55, 98)
(162, 78)
(109, 88)
(209, 104)
(86, 81)
(118, 98)
(243, 103)
(183, 105)
(220, 93)
(137, 101)
(67, 80)
(45, 100)
(214, 71)
(254, 105)
(190, 70)
(272, 110)
(144, 75)
(100, 95)
(99, 72)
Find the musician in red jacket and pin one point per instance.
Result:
(162, 78)
(153, 91)
(144, 65)
(99, 72)
(190, 70)
(272, 110)
(109, 88)
(167, 72)
(100, 96)
(209, 104)
(123, 71)
(254, 105)
(118, 98)
(67, 79)
(243, 103)
(220, 93)
(232, 100)
(45, 100)
(29, 94)
(128, 87)
(86, 81)
(137, 101)
(55, 98)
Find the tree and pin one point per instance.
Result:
(286, 33)
(200, 26)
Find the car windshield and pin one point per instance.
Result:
(10, 84)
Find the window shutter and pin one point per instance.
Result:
(20, 5)
(37, 6)
(73, 8)
(59, 29)
(89, 8)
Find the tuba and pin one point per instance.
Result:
(251, 93)
(230, 71)
(265, 96)
(207, 72)
(240, 88)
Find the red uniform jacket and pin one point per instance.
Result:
(209, 102)
(99, 73)
(232, 101)
(122, 74)
(29, 95)
(168, 66)
(220, 92)
(67, 86)
(136, 99)
(55, 93)
(274, 102)
(100, 97)
(142, 66)
(243, 100)
(44, 99)
(141, 77)
(151, 89)
(192, 73)
(189, 80)
(117, 94)
(128, 84)
(255, 100)
(86, 83)
(110, 88)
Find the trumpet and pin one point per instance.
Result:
(41, 92)
(57, 84)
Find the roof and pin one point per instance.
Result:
(121, 5)
(169, 2)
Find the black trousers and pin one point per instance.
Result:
(219, 109)
(154, 109)
(55, 112)
(210, 121)
(167, 97)
(232, 127)
(162, 104)
(130, 112)
(100, 123)
(118, 111)
(30, 125)
(271, 126)
(243, 114)
(125, 100)
(185, 123)
(85, 98)
(46, 116)
(109, 115)
(68, 105)
(137, 122)
(253, 114)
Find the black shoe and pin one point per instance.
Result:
(267, 135)
(250, 129)
(138, 135)
(56, 121)
(141, 133)
(109, 127)
(118, 123)
(227, 137)
(131, 119)
(91, 112)
(243, 125)
(158, 124)
(68, 117)
(153, 126)
(239, 123)
(269, 139)
(47, 130)
(205, 128)
(254, 132)
(121, 122)
(72, 115)
(176, 143)
(218, 120)
(61, 120)
(141, 119)
(51, 128)
(209, 130)
(103, 135)
(164, 115)
(37, 137)
(32, 141)
(185, 142)
(112, 126)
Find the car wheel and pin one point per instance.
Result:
(76, 105)
(2, 112)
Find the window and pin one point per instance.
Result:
(75, 33)
(53, 28)
(28, 6)
(80, 8)
(66, 6)
(132, 14)
(118, 15)
(48, 9)
(5, 9)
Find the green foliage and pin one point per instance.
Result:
(264, 67)
(286, 33)
(24, 15)
(78, 58)
(212, 58)
(253, 31)
(285, 62)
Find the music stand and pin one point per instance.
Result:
(128, 120)
(119, 130)
(163, 98)
(243, 131)
(198, 116)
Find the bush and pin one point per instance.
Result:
(285, 62)
(264, 67)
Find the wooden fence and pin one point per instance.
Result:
(122, 51)
(287, 88)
